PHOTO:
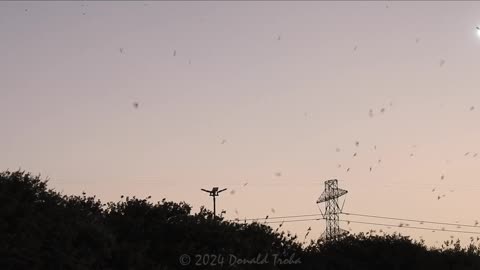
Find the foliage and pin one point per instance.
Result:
(42, 229)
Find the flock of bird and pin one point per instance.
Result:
(371, 114)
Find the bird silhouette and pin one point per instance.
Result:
(135, 105)
(174, 52)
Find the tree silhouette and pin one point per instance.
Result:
(43, 229)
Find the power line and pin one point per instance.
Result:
(295, 220)
(412, 220)
(364, 215)
(284, 217)
(380, 224)
(410, 227)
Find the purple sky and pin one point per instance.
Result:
(283, 83)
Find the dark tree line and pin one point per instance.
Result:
(43, 229)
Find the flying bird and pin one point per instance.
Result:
(442, 62)
(273, 210)
(278, 174)
(135, 105)
(174, 52)
(232, 192)
(354, 154)
(472, 108)
(382, 110)
(223, 141)
(245, 184)
(121, 50)
(357, 143)
(442, 177)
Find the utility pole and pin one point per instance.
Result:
(330, 197)
(214, 193)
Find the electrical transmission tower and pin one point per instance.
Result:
(214, 193)
(332, 209)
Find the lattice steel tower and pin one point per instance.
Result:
(332, 209)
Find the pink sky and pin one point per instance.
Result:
(68, 82)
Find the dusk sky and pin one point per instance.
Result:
(273, 94)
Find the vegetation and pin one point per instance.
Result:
(43, 229)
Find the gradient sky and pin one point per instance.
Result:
(283, 83)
